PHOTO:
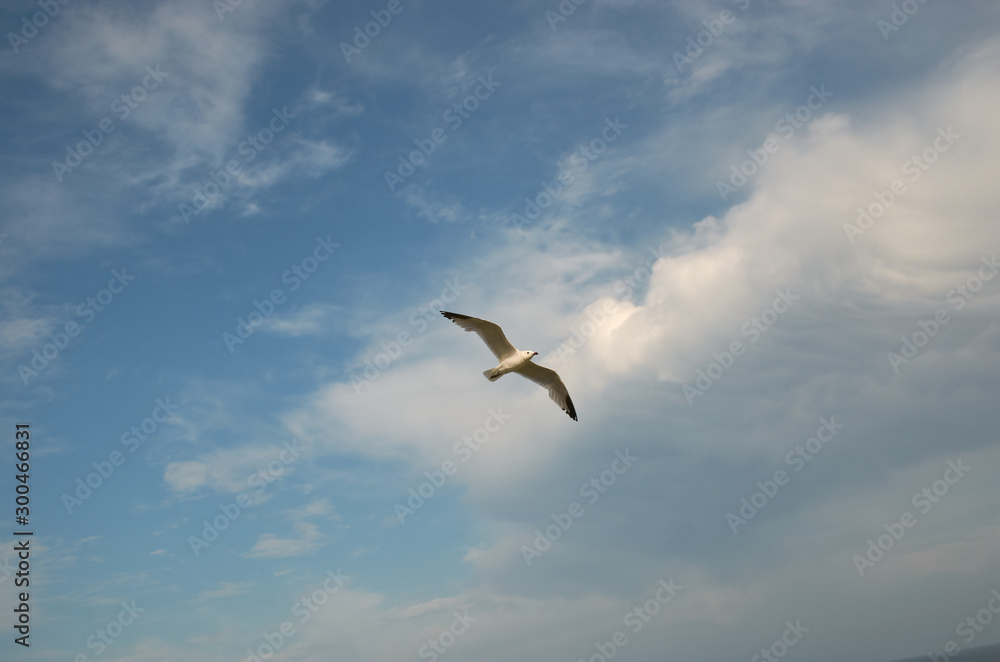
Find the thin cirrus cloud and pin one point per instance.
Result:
(271, 546)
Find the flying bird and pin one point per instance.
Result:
(515, 360)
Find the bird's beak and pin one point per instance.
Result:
(534, 353)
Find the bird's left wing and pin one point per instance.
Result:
(550, 379)
(491, 334)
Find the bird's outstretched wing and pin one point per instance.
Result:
(550, 379)
(491, 334)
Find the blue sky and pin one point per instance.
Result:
(757, 240)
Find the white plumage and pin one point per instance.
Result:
(514, 360)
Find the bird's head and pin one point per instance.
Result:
(531, 354)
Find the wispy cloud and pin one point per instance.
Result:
(225, 590)
(435, 212)
(270, 546)
(310, 320)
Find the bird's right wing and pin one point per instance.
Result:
(549, 379)
(491, 334)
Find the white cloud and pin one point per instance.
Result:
(19, 335)
(826, 356)
(310, 320)
(232, 470)
(435, 212)
(209, 66)
(305, 158)
(270, 546)
(171, 140)
(226, 589)
(186, 476)
(317, 508)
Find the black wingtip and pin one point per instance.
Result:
(570, 409)
(455, 316)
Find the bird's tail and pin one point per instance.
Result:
(491, 374)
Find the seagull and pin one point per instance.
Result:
(514, 360)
